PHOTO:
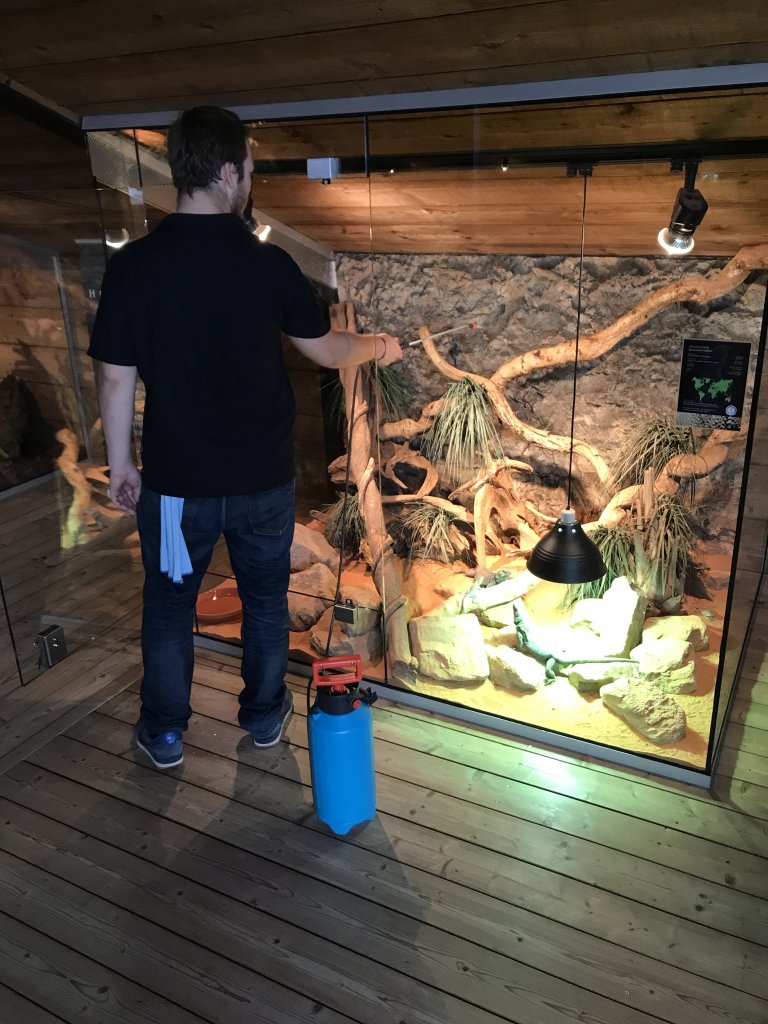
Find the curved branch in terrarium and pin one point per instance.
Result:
(404, 665)
(337, 470)
(448, 506)
(508, 419)
(404, 456)
(690, 289)
(617, 508)
(407, 429)
(342, 317)
(712, 454)
(495, 467)
(488, 498)
(543, 516)
(98, 473)
(704, 462)
(365, 481)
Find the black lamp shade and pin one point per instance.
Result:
(566, 554)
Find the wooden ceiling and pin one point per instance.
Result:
(448, 192)
(96, 56)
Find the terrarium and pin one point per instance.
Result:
(555, 357)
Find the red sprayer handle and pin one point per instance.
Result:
(352, 662)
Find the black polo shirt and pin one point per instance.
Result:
(199, 306)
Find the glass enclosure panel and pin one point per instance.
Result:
(460, 231)
(750, 562)
(474, 231)
(64, 552)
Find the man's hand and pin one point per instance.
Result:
(392, 350)
(124, 487)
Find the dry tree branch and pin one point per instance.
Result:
(689, 289)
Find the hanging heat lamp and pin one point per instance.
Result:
(566, 554)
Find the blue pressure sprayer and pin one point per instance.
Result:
(340, 729)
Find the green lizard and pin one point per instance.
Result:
(551, 659)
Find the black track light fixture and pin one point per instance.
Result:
(688, 212)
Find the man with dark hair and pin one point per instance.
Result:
(200, 142)
(197, 309)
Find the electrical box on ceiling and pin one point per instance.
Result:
(324, 167)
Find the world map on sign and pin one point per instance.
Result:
(713, 389)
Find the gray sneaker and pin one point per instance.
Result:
(273, 734)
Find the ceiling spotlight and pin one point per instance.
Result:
(262, 231)
(505, 164)
(688, 213)
(118, 241)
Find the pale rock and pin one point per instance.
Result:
(368, 610)
(588, 678)
(691, 628)
(590, 612)
(646, 708)
(513, 670)
(367, 645)
(309, 548)
(662, 655)
(506, 637)
(622, 621)
(304, 596)
(500, 617)
(449, 648)
(488, 634)
(452, 586)
(675, 680)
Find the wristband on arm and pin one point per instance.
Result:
(383, 354)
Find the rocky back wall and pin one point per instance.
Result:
(522, 303)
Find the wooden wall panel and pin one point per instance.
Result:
(531, 210)
(52, 220)
(640, 120)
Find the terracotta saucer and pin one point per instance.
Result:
(222, 604)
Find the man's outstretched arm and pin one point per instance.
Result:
(340, 348)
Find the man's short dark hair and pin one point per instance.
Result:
(200, 141)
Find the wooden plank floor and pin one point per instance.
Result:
(499, 882)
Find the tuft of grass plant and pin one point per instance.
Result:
(667, 542)
(427, 532)
(391, 395)
(650, 446)
(353, 525)
(655, 559)
(463, 433)
(617, 548)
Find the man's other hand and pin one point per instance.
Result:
(124, 487)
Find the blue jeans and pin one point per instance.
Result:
(258, 529)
